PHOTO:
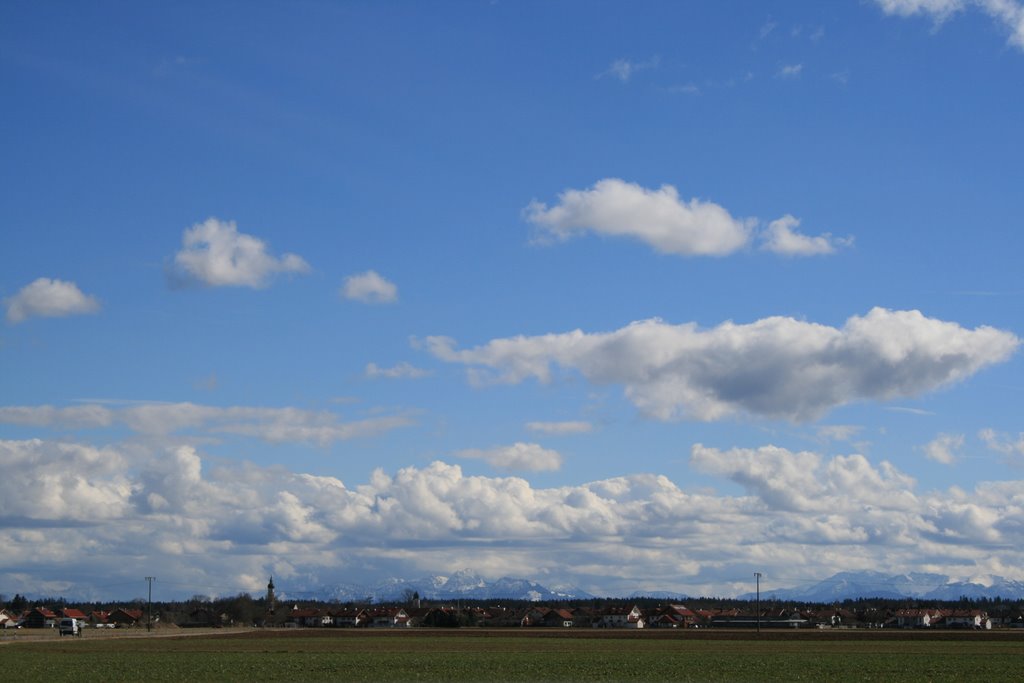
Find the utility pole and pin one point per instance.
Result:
(757, 578)
(149, 623)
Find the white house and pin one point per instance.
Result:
(621, 617)
(916, 618)
(967, 619)
(388, 618)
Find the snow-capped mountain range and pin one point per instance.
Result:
(462, 585)
(869, 584)
(467, 585)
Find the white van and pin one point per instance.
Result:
(69, 627)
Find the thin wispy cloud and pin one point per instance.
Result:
(789, 71)
(945, 448)
(208, 383)
(403, 370)
(684, 89)
(1002, 443)
(273, 425)
(623, 70)
(169, 66)
(560, 428)
(839, 432)
(526, 457)
(841, 77)
(910, 411)
(1009, 14)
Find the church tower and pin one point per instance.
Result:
(270, 596)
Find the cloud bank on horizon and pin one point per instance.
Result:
(653, 316)
(216, 526)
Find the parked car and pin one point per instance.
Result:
(69, 627)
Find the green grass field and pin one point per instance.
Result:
(514, 656)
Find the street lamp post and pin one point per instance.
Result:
(149, 620)
(757, 579)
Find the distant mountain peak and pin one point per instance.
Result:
(464, 584)
(874, 584)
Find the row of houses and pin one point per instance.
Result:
(664, 616)
(937, 618)
(403, 617)
(628, 617)
(43, 617)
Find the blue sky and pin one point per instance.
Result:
(617, 296)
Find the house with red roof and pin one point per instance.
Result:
(99, 618)
(562, 618)
(125, 617)
(40, 617)
(673, 616)
(72, 613)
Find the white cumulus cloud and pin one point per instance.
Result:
(808, 482)
(50, 480)
(528, 457)
(48, 298)
(216, 254)
(658, 217)
(776, 367)
(661, 219)
(781, 237)
(369, 288)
